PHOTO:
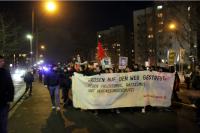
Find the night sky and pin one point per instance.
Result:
(73, 28)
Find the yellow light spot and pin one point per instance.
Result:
(50, 6)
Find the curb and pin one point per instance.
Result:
(17, 101)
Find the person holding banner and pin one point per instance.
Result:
(69, 75)
(110, 70)
(63, 85)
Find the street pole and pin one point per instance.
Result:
(31, 48)
(30, 37)
(14, 61)
(51, 7)
(34, 33)
(32, 21)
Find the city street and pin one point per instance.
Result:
(35, 115)
(19, 88)
(132, 66)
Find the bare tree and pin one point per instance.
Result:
(10, 38)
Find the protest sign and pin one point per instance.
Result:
(171, 57)
(123, 62)
(106, 62)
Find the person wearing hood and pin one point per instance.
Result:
(52, 82)
(28, 79)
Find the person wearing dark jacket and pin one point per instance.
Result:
(196, 86)
(176, 87)
(63, 85)
(6, 95)
(28, 79)
(52, 82)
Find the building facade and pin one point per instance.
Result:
(163, 28)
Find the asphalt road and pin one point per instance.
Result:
(35, 115)
(19, 88)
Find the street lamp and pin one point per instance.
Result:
(99, 36)
(42, 51)
(50, 6)
(42, 47)
(30, 37)
(172, 26)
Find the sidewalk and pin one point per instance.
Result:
(187, 96)
(32, 115)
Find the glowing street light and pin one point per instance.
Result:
(172, 26)
(30, 37)
(50, 6)
(99, 36)
(42, 47)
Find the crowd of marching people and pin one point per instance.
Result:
(60, 77)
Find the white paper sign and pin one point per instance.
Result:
(123, 62)
(106, 62)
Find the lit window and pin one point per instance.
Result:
(188, 8)
(159, 7)
(161, 22)
(150, 29)
(160, 15)
(24, 55)
(150, 36)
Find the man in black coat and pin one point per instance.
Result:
(6, 95)
(28, 79)
(52, 82)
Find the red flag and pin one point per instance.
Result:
(100, 52)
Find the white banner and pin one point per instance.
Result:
(115, 90)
